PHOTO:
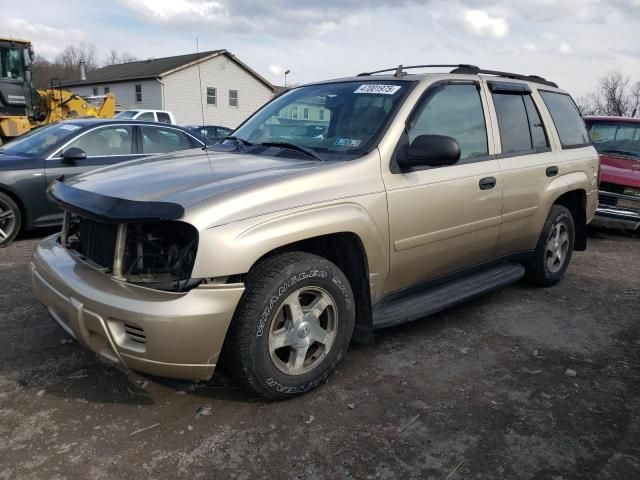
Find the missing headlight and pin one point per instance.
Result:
(161, 255)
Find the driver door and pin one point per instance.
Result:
(444, 219)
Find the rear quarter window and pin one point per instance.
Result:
(566, 117)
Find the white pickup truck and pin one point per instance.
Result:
(161, 116)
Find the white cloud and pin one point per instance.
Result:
(530, 47)
(167, 10)
(47, 41)
(565, 48)
(482, 23)
(275, 69)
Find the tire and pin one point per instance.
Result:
(10, 220)
(275, 319)
(554, 249)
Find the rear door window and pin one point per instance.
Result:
(164, 140)
(566, 118)
(515, 135)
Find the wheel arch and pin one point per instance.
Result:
(346, 250)
(576, 202)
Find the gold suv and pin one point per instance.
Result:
(338, 208)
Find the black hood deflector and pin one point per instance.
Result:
(103, 208)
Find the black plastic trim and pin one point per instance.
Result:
(508, 87)
(523, 153)
(103, 208)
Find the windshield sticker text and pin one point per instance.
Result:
(378, 89)
(347, 142)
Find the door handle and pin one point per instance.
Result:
(487, 183)
(552, 171)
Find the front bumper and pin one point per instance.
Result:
(617, 211)
(178, 335)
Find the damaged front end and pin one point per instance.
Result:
(141, 243)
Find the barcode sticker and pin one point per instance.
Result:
(378, 89)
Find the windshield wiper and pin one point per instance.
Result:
(241, 142)
(293, 146)
(621, 152)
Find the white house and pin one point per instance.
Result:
(230, 92)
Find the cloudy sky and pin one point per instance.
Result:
(569, 41)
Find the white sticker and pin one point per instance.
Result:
(69, 127)
(378, 89)
(347, 142)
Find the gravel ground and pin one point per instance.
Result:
(520, 384)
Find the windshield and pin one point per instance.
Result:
(616, 137)
(336, 119)
(37, 142)
(11, 63)
(127, 114)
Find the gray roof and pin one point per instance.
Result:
(152, 68)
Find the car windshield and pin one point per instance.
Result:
(127, 114)
(621, 138)
(37, 142)
(333, 119)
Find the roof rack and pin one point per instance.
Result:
(465, 69)
(400, 69)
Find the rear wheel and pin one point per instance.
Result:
(292, 326)
(10, 220)
(554, 249)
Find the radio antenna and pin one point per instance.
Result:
(201, 100)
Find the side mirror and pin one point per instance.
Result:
(73, 154)
(432, 151)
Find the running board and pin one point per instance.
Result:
(431, 300)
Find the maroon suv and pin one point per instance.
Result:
(617, 140)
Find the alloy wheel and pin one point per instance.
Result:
(557, 247)
(303, 331)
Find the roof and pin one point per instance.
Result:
(155, 67)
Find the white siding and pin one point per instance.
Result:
(125, 93)
(223, 74)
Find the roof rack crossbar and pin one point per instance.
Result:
(463, 68)
(529, 78)
(399, 70)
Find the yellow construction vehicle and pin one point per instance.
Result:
(23, 108)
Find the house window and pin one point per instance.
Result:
(138, 93)
(305, 113)
(321, 114)
(106, 90)
(95, 92)
(294, 112)
(211, 96)
(233, 98)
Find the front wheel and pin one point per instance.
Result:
(292, 326)
(554, 249)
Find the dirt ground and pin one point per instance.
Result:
(520, 384)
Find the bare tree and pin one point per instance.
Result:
(72, 55)
(43, 71)
(615, 96)
(113, 57)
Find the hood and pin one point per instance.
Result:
(620, 170)
(187, 178)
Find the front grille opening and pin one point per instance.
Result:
(135, 334)
(158, 255)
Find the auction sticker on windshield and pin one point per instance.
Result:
(378, 89)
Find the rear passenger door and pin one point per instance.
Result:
(527, 161)
(443, 219)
